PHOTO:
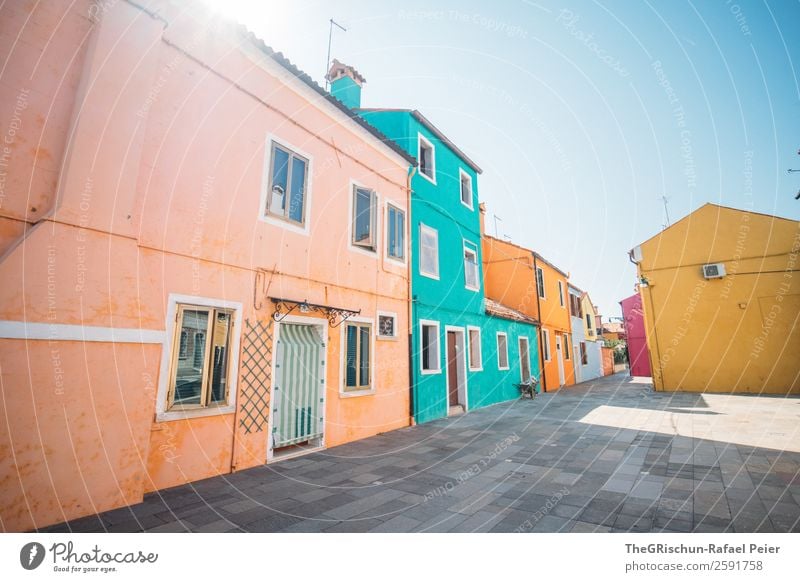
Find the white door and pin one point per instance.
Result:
(578, 372)
(560, 358)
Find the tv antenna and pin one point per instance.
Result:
(496, 218)
(330, 39)
(791, 171)
(664, 199)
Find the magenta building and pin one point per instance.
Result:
(634, 330)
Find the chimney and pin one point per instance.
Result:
(346, 84)
(482, 208)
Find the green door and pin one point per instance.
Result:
(298, 396)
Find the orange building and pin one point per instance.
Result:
(523, 279)
(165, 313)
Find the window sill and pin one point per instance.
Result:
(366, 251)
(390, 338)
(476, 369)
(468, 206)
(474, 289)
(435, 277)
(506, 369)
(357, 393)
(430, 372)
(285, 224)
(428, 178)
(195, 413)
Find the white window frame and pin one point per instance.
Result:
(367, 252)
(547, 352)
(343, 392)
(497, 343)
(395, 260)
(168, 348)
(519, 348)
(471, 247)
(543, 295)
(561, 295)
(264, 215)
(422, 324)
(420, 139)
(461, 175)
(423, 226)
(479, 367)
(378, 335)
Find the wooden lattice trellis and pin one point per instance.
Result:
(256, 376)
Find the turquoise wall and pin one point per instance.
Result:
(347, 91)
(447, 300)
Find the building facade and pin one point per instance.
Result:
(166, 315)
(521, 277)
(721, 302)
(585, 347)
(465, 352)
(638, 354)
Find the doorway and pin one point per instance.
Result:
(560, 358)
(524, 360)
(297, 423)
(456, 371)
(578, 367)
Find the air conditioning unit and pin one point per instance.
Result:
(714, 271)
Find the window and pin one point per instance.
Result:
(365, 203)
(589, 324)
(395, 233)
(524, 360)
(475, 355)
(430, 347)
(357, 372)
(183, 349)
(429, 251)
(561, 294)
(286, 195)
(575, 307)
(540, 282)
(387, 325)
(427, 159)
(471, 267)
(565, 341)
(584, 355)
(546, 345)
(199, 375)
(502, 351)
(466, 188)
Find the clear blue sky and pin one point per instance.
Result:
(582, 114)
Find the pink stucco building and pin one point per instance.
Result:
(633, 317)
(165, 313)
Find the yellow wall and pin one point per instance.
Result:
(736, 334)
(589, 330)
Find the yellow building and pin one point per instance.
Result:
(721, 299)
(589, 318)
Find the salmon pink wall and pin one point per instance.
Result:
(160, 193)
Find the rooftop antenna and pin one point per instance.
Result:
(330, 38)
(496, 218)
(664, 199)
(790, 171)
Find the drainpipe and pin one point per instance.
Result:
(541, 334)
(411, 325)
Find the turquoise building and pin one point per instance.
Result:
(466, 350)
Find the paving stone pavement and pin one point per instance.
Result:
(603, 456)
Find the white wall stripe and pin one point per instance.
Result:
(87, 333)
